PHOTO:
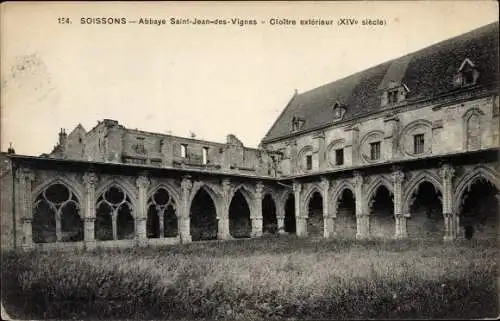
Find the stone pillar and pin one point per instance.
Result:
(90, 181)
(320, 150)
(450, 218)
(390, 137)
(114, 217)
(58, 225)
(28, 232)
(351, 156)
(257, 215)
(223, 211)
(25, 177)
(142, 183)
(280, 216)
(362, 215)
(293, 158)
(328, 227)
(301, 223)
(400, 219)
(161, 220)
(184, 221)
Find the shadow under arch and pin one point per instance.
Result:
(203, 215)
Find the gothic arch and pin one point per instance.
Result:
(414, 184)
(284, 197)
(479, 172)
(245, 191)
(272, 194)
(308, 193)
(375, 185)
(71, 185)
(338, 191)
(129, 189)
(170, 188)
(212, 190)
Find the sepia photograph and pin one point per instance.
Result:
(281, 160)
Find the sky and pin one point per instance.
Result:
(210, 80)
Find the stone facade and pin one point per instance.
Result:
(410, 164)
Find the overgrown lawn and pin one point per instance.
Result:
(258, 279)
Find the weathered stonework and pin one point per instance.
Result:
(442, 138)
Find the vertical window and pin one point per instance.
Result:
(467, 77)
(309, 163)
(205, 155)
(392, 96)
(339, 156)
(375, 150)
(418, 144)
(183, 150)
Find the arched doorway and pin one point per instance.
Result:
(290, 223)
(114, 220)
(315, 225)
(269, 219)
(203, 216)
(162, 220)
(479, 210)
(382, 214)
(57, 202)
(426, 213)
(240, 225)
(345, 223)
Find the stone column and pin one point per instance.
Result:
(28, 232)
(293, 158)
(280, 216)
(161, 220)
(58, 225)
(320, 150)
(90, 181)
(25, 177)
(328, 227)
(450, 218)
(223, 211)
(362, 217)
(114, 217)
(142, 183)
(301, 223)
(400, 219)
(351, 156)
(184, 222)
(257, 215)
(390, 136)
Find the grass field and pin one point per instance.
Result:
(258, 279)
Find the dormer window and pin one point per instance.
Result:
(467, 74)
(339, 111)
(394, 94)
(297, 123)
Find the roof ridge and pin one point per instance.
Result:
(441, 42)
(359, 89)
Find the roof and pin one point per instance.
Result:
(427, 73)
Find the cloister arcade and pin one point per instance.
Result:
(93, 209)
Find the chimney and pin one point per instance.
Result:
(63, 138)
(11, 149)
